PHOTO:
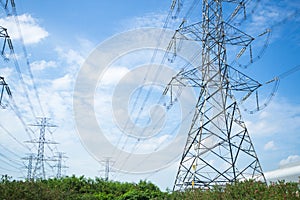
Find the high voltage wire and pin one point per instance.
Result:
(155, 150)
(10, 160)
(25, 89)
(12, 53)
(140, 91)
(25, 85)
(1, 167)
(153, 56)
(162, 62)
(289, 72)
(14, 11)
(148, 69)
(135, 147)
(13, 153)
(14, 138)
(17, 112)
(192, 7)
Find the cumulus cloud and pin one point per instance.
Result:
(290, 160)
(40, 65)
(71, 57)
(280, 117)
(270, 146)
(32, 32)
(150, 20)
(113, 75)
(63, 83)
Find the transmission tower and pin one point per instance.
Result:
(30, 159)
(4, 53)
(60, 156)
(108, 167)
(218, 149)
(39, 168)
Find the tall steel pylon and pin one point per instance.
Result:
(30, 159)
(218, 149)
(39, 168)
(108, 167)
(60, 156)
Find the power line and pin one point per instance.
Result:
(9, 163)
(169, 16)
(14, 11)
(14, 138)
(11, 152)
(17, 112)
(289, 72)
(194, 4)
(8, 43)
(1, 167)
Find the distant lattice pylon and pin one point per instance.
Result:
(30, 158)
(60, 156)
(108, 163)
(39, 168)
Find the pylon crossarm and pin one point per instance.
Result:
(4, 88)
(6, 49)
(238, 81)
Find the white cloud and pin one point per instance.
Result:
(153, 144)
(42, 64)
(62, 83)
(70, 56)
(278, 118)
(113, 75)
(151, 20)
(86, 46)
(289, 160)
(270, 146)
(288, 174)
(32, 32)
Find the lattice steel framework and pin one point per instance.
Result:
(30, 159)
(39, 168)
(4, 53)
(218, 149)
(4, 87)
(60, 156)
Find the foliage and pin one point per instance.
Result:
(247, 190)
(78, 188)
(81, 188)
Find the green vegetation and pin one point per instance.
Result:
(84, 188)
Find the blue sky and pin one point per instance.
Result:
(59, 36)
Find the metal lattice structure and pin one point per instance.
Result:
(30, 159)
(60, 156)
(218, 149)
(4, 53)
(108, 163)
(4, 88)
(39, 168)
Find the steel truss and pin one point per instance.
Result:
(218, 149)
(39, 168)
